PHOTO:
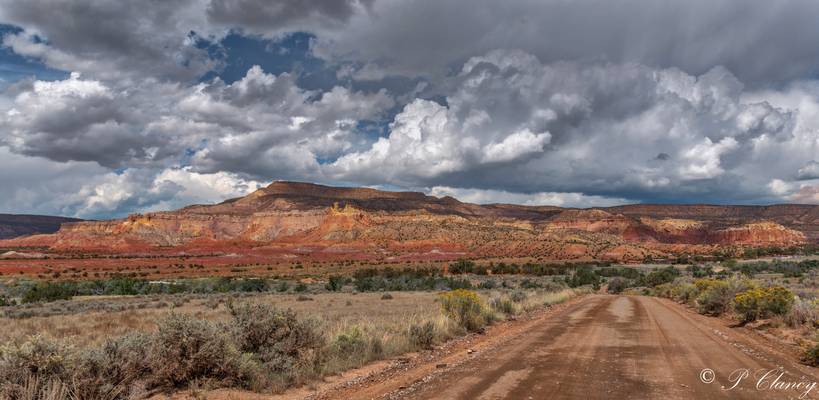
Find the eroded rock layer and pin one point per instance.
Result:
(308, 217)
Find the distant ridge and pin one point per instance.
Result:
(316, 220)
(14, 225)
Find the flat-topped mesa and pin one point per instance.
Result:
(298, 196)
(297, 215)
(302, 189)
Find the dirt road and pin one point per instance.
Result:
(620, 347)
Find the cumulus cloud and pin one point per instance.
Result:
(490, 196)
(112, 39)
(257, 125)
(87, 190)
(81, 120)
(809, 171)
(514, 123)
(266, 16)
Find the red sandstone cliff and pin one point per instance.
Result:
(301, 214)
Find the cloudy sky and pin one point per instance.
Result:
(109, 107)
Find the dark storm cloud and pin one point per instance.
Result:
(275, 15)
(760, 42)
(109, 38)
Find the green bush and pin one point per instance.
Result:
(283, 343)
(462, 267)
(38, 357)
(112, 370)
(423, 335)
(351, 343)
(803, 312)
(465, 308)
(617, 285)
(658, 277)
(584, 275)
(335, 283)
(502, 305)
(352, 348)
(811, 356)
(761, 303)
(778, 301)
(49, 291)
(748, 304)
(684, 293)
(185, 349)
(716, 296)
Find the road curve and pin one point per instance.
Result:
(621, 347)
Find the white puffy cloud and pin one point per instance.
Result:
(510, 122)
(87, 190)
(703, 160)
(246, 126)
(84, 120)
(516, 145)
(490, 196)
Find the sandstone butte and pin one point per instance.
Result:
(364, 223)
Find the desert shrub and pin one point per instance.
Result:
(684, 293)
(4, 301)
(803, 312)
(663, 290)
(811, 355)
(778, 301)
(112, 370)
(763, 302)
(584, 275)
(351, 344)
(423, 335)
(386, 296)
(715, 297)
(283, 286)
(698, 271)
(283, 343)
(351, 348)
(49, 291)
(300, 287)
(617, 285)
(487, 284)
(502, 305)
(660, 276)
(517, 296)
(465, 308)
(38, 357)
(335, 283)
(185, 349)
(748, 304)
(462, 267)
(36, 388)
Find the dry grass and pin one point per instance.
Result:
(349, 330)
(337, 310)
